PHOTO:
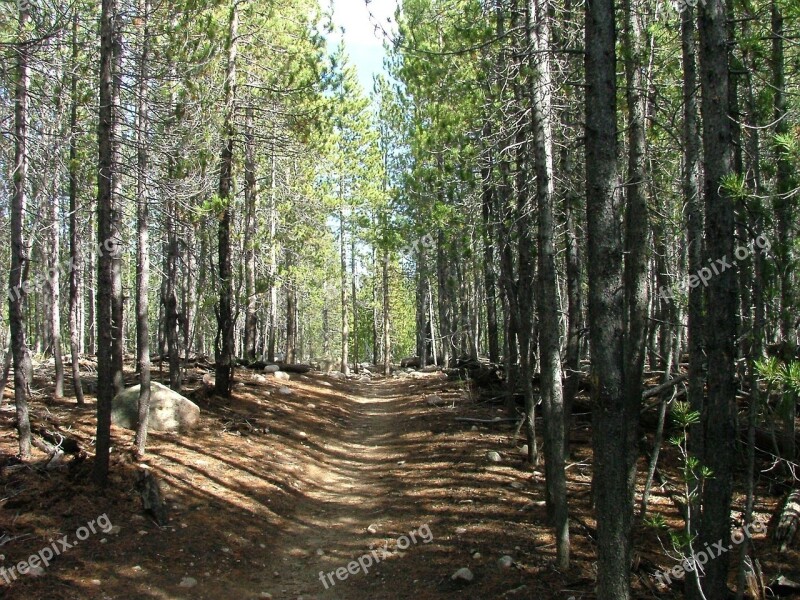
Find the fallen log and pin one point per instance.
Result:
(655, 391)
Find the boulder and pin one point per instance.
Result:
(272, 369)
(169, 411)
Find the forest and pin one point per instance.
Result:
(520, 320)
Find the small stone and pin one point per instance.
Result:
(372, 529)
(312, 406)
(493, 457)
(115, 530)
(36, 571)
(271, 369)
(524, 450)
(188, 582)
(285, 391)
(474, 428)
(517, 485)
(434, 401)
(302, 435)
(463, 574)
(265, 595)
(281, 376)
(226, 550)
(505, 562)
(476, 555)
(320, 552)
(104, 541)
(461, 530)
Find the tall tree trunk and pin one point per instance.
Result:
(489, 277)
(273, 259)
(75, 261)
(718, 413)
(54, 290)
(143, 245)
(250, 196)
(572, 358)
(354, 301)
(694, 252)
(107, 239)
(783, 203)
(615, 418)
(636, 211)
(345, 358)
(538, 28)
(17, 279)
(225, 324)
(387, 338)
(117, 306)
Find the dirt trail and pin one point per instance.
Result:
(291, 479)
(354, 504)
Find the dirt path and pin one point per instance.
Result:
(310, 488)
(354, 505)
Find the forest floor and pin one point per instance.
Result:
(276, 490)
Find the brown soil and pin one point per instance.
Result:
(274, 490)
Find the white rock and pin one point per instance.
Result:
(271, 369)
(285, 391)
(461, 530)
(463, 574)
(281, 376)
(36, 571)
(493, 457)
(505, 562)
(188, 582)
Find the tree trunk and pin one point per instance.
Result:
(75, 261)
(548, 303)
(106, 236)
(117, 307)
(345, 358)
(615, 417)
(224, 349)
(387, 338)
(250, 196)
(784, 184)
(143, 245)
(17, 281)
(718, 413)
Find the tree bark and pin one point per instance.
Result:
(615, 415)
(75, 261)
(225, 324)
(106, 237)
(143, 245)
(16, 278)
(719, 411)
(250, 196)
(548, 304)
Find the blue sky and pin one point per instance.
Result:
(363, 44)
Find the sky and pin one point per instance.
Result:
(364, 45)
